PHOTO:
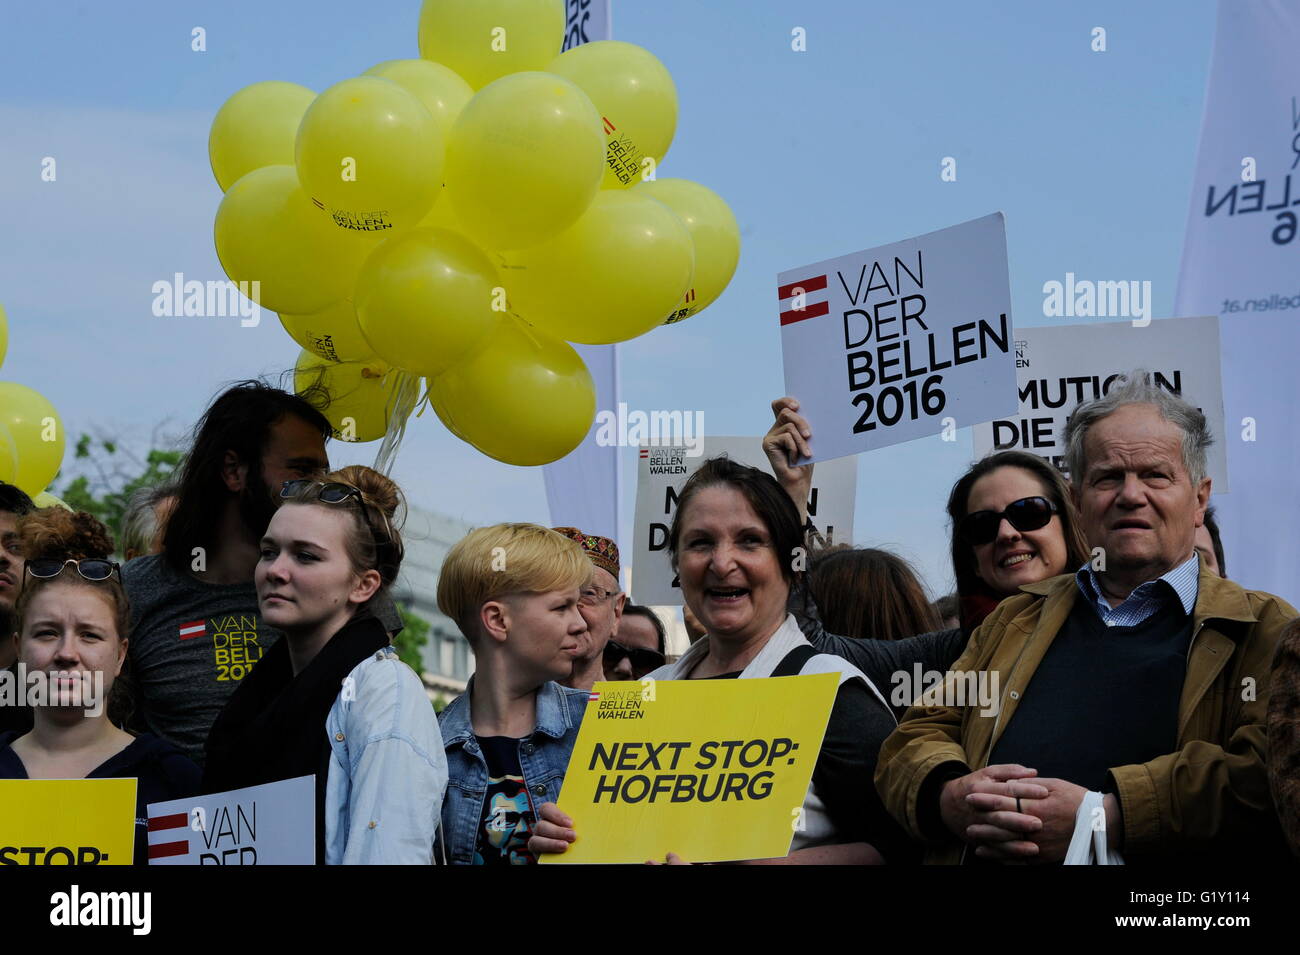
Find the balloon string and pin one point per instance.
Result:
(406, 388)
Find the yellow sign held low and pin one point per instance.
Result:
(713, 770)
(67, 821)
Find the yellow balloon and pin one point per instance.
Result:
(332, 333)
(524, 160)
(524, 398)
(636, 99)
(256, 127)
(4, 335)
(8, 456)
(613, 275)
(268, 231)
(36, 434)
(359, 394)
(46, 499)
(426, 299)
(715, 233)
(483, 40)
(371, 153)
(441, 90)
(442, 215)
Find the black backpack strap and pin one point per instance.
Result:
(792, 663)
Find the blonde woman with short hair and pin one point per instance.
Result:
(513, 591)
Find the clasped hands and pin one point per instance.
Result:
(1010, 815)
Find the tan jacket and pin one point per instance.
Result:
(1212, 793)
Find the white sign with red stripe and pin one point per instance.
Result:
(661, 475)
(273, 824)
(901, 341)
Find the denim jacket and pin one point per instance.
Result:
(388, 771)
(543, 756)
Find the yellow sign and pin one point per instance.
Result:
(67, 821)
(713, 770)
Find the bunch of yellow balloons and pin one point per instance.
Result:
(31, 434)
(462, 217)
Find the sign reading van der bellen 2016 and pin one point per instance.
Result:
(662, 472)
(67, 821)
(1059, 366)
(273, 824)
(902, 341)
(713, 770)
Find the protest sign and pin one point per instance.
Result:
(901, 341)
(274, 824)
(586, 21)
(1058, 366)
(663, 471)
(713, 770)
(67, 821)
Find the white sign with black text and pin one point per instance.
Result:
(274, 824)
(1058, 366)
(663, 471)
(901, 341)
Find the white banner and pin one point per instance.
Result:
(1059, 366)
(902, 341)
(1241, 261)
(583, 487)
(273, 824)
(661, 474)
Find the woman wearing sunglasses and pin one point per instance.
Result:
(332, 699)
(73, 620)
(1013, 523)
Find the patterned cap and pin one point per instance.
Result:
(602, 551)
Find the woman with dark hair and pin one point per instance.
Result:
(1013, 523)
(735, 543)
(331, 698)
(868, 592)
(73, 622)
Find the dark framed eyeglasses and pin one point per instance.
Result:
(91, 568)
(331, 492)
(591, 596)
(1026, 514)
(642, 660)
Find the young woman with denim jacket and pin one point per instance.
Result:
(513, 590)
(331, 698)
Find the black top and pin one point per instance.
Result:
(162, 773)
(1111, 692)
(508, 815)
(14, 717)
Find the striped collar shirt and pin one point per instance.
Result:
(1147, 598)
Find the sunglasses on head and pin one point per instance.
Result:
(643, 661)
(330, 492)
(91, 568)
(1026, 514)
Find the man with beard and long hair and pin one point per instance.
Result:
(196, 629)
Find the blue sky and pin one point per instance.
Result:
(819, 153)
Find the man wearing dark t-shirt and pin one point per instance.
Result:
(196, 630)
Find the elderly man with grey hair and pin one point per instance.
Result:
(144, 520)
(1132, 694)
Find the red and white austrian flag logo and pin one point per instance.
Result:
(806, 298)
(169, 835)
(195, 628)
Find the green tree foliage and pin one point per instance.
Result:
(414, 635)
(110, 475)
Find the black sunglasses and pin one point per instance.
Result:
(1026, 514)
(91, 568)
(331, 492)
(643, 661)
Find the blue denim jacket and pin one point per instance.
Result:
(543, 756)
(387, 769)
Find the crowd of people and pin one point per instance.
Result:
(247, 639)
